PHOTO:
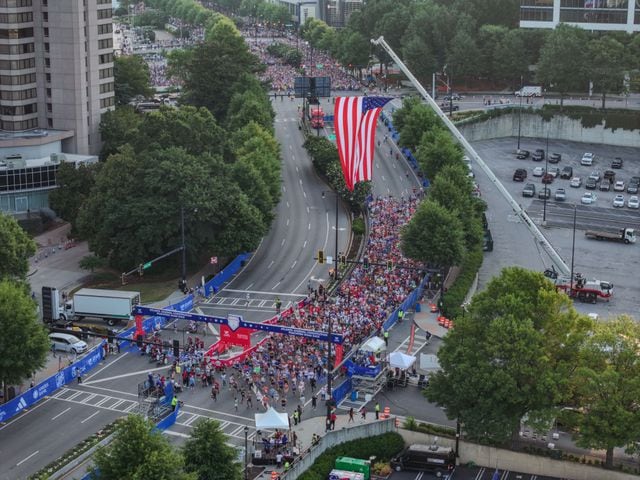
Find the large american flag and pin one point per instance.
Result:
(355, 121)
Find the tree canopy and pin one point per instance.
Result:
(74, 187)
(16, 249)
(24, 342)
(512, 355)
(139, 452)
(207, 454)
(131, 77)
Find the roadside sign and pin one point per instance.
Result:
(214, 260)
(146, 265)
(331, 137)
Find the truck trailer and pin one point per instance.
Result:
(625, 235)
(112, 306)
(529, 91)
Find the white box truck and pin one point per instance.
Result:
(529, 91)
(112, 306)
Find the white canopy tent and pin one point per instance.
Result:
(272, 419)
(374, 344)
(401, 360)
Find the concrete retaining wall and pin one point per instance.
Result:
(559, 128)
(520, 462)
(336, 437)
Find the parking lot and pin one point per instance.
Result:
(513, 243)
(471, 473)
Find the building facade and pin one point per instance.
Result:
(56, 69)
(601, 15)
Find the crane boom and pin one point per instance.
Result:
(519, 211)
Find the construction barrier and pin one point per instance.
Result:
(274, 475)
(433, 307)
(397, 422)
(386, 413)
(441, 320)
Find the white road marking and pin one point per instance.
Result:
(304, 245)
(297, 169)
(272, 262)
(283, 241)
(383, 179)
(274, 287)
(177, 434)
(24, 460)
(90, 416)
(309, 227)
(122, 355)
(130, 374)
(61, 413)
(287, 222)
(304, 194)
(259, 292)
(288, 206)
(294, 264)
(250, 285)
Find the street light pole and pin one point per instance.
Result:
(573, 248)
(520, 111)
(184, 248)
(246, 453)
(546, 170)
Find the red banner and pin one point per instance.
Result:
(339, 354)
(139, 329)
(240, 337)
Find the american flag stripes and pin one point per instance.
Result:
(355, 121)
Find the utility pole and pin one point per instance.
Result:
(184, 248)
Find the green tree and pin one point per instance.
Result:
(419, 58)
(138, 452)
(210, 70)
(512, 57)
(607, 66)
(207, 454)
(91, 262)
(437, 149)
(118, 127)
(74, 187)
(463, 56)
(434, 235)
(16, 249)
(607, 385)
(562, 64)
(489, 37)
(412, 121)
(24, 342)
(131, 78)
(512, 355)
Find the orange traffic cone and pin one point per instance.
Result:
(386, 412)
(433, 307)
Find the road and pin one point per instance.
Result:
(282, 266)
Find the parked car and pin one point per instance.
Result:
(610, 175)
(453, 96)
(605, 186)
(632, 187)
(618, 201)
(538, 155)
(519, 175)
(538, 171)
(591, 184)
(560, 195)
(529, 190)
(487, 241)
(567, 172)
(576, 182)
(619, 186)
(555, 158)
(555, 171)
(633, 202)
(587, 159)
(67, 343)
(547, 178)
(596, 175)
(544, 193)
(522, 154)
(446, 106)
(588, 198)
(617, 163)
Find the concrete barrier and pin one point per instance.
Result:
(558, 128)
(515, 461)
(336, 437)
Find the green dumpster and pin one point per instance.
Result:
(354, 465)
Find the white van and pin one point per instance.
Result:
(587, 159)
(67, 343)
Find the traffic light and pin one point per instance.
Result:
(320, 256)
(176, 348)
(140, 270)
(390, 265)
(365, 263)
(343, 260)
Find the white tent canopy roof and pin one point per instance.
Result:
(272, 419)
(374, 344)
(401, 360)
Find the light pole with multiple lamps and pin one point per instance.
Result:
(520, 110)
(544, 185)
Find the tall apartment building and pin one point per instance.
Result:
(601, 15)
(56, 70)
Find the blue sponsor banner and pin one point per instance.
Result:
(342, 390)
(213, 285)
(51, 384)
(266, 327)
(362, 371)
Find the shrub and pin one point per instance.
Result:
(383, 447)
(357, 226)
(453, 299)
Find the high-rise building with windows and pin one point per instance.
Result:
(602, 15)
(56, 70)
